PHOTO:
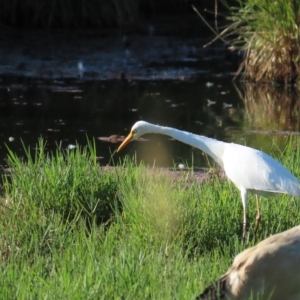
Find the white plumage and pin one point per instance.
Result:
(249, 169)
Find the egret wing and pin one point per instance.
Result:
(257, 171)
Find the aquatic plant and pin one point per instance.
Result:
(267, 32)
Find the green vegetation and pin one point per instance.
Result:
(70, 229)
(268, 33)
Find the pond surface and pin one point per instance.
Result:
(67, 112)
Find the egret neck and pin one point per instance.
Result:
(212, 147)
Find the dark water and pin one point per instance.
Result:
(69, 111)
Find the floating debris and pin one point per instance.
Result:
(209, 84)
(227, 105)
(209, 102)
(112, 139)
(116, 138)
(68, 89)
(71, 147)
(54, 130)
(11, 139)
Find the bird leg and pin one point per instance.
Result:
(244, 223)
(257, 220)
(244, 202)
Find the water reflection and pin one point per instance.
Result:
(68, 112)
(271, 114)
(271, 108)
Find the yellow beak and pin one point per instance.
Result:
(126, 141)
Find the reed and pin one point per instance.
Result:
(267, 32)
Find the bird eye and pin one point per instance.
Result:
(134, 131)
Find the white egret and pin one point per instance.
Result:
(249, 169)
(269, 270)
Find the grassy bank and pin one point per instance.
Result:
(73, 230)
(267, 32)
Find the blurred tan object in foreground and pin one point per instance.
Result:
(269, 270)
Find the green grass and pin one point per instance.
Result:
(267, 32)
(70, 229)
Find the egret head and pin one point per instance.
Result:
(138, 129)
